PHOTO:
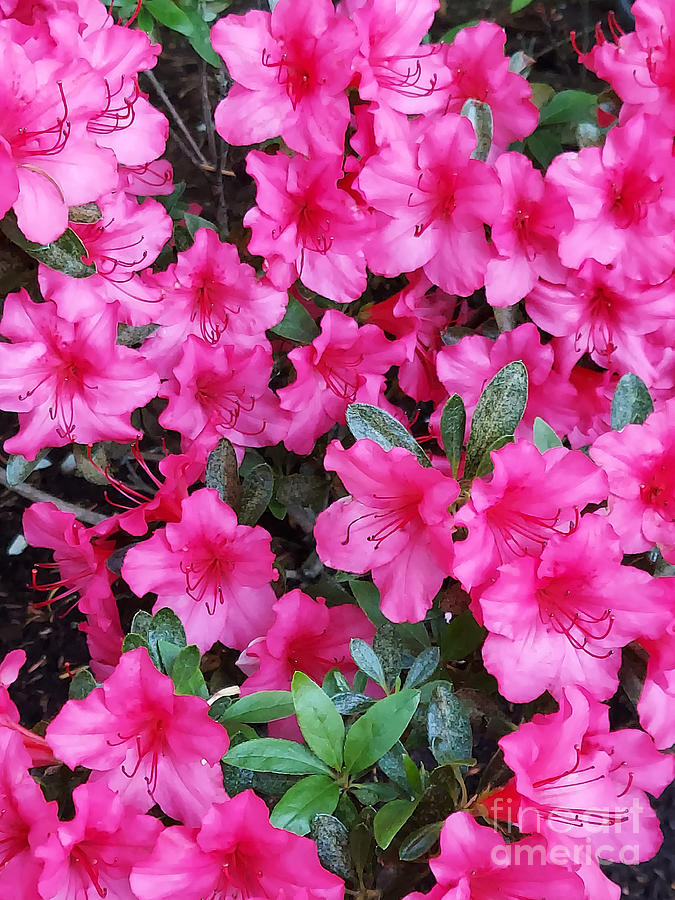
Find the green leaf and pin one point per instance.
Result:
(258, 708)
(167, 13)
(256, 492)
(186, 673)
(378, 729)
(461, 637)
(368, 598)
(568, 107)
(375, 792)
(276, 755)
(420, 842)
(81, 685)
(311, 796)
(193, 223)
(486, 465)
(517, 5)
(297, 325)
(544, 145)
(350, 703)
(544, 436)
(499, 410)
(390, 819)
(453, 426)
(392, 763)
(133, 642)
(366, 421)
(413, 775)
(221, 472)
(335, 682)
(320, 722)
(63, 255)
(423, 668)
(448, 727)
(200, 39)
(167, 654)
(366, 659)
(452, 33)
(19, 468)
(165, 626)
(332, 844)
(389, 651)
(631, 403)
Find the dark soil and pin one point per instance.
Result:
(50, 637)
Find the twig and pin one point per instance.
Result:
(37, 496)
(175, 115)
(207, 116)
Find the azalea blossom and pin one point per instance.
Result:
(234, 852)
(127, 238)
(509, 516)
(143, 742)
(214, 573)
(479, 70)
(38, 749)
(68, 381)
(306, 226)
(209, 293)
(97, 848)
(222, 391)
(623, 198)
(344, 364)
(396, 525)
(598, 310)
(305, 636)
(27, 822)
(475, 863)
(562, 619)
(466, 367)
(433, 202)
(290, 69)
(656, 706)
(638, 461)
(534, 214)
(575, 781)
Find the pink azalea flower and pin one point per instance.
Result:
(44, 112)
(306, 226)
(466, 367)
(509, 516)
(396, 73)
(416, 316)
(26, 823)
(213, 295)
(639, 465)
(80, 557)
(480, 71)
(577, 783)
(563, 618)
(153, 179)
(598, 310)
(214, 573)
(235, 853)
(656, 707)
(128, 238)
(36, 746)
(290, 70)
(180, 471)
(346, 363)
(399, 528)
(68, 381)
(306, 636)
(221, 391)
(475, 863)
(534, 214)
(96, 849)
(144, 742)
(640, 65)
(623, 197)
(434, 202)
